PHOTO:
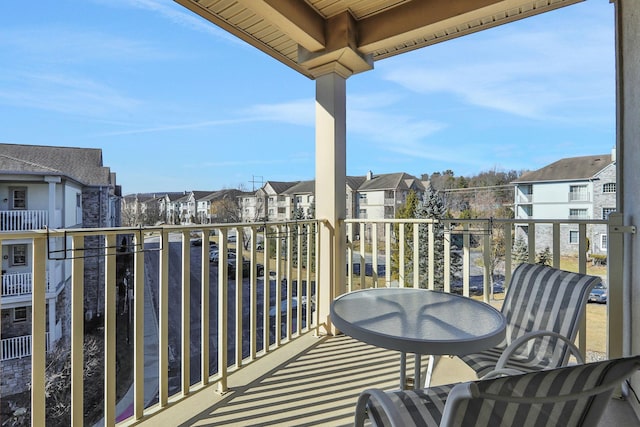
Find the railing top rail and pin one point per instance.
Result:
(476, 220)
(147, 230)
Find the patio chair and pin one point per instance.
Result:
(569, 396)
(543, 307)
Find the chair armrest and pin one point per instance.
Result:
(501, 372)
(506, 354)
(383, 400)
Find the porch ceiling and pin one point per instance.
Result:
(315, 37)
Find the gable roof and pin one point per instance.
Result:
(83, 165)
(389, 181)
(279, 187)
(303, 187)
(569, 169)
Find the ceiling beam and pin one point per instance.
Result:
(295, 18)
(412, 20)
(417, 19)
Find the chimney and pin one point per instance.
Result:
(613, 155)
(369, 176)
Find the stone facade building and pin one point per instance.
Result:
(57, 188)
(572, 188)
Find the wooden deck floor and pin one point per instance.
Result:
(311, 382)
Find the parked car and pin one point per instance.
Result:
(231, 263)
(599, 294)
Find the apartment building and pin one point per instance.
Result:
(572, 188)
(48, 187)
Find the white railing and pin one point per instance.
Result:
(524, 198)
(249, 321)
(579, 196)
(19, 220)
(258, 317)
(18, 347)
(16, 284)
(398, 239)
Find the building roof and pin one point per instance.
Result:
(569, 169)
(279, 187)
(303, 187)
(388, 181)
(83, 165)
(348, 36)
(230, 193)
(354, 182)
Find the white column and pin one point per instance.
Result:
(331, 169)
(52, 180)
(627, 18)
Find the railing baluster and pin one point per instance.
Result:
(163, 320)
(138, 326)
(110, 304)
(222, 310)
(186, 313)
(77, 333)
(38, 328)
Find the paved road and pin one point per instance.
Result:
(175, 307)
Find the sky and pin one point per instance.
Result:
(177, 104)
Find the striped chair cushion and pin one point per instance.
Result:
(416, 407)
(538, 298)
(558, 397)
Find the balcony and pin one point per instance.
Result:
(524, 198)
(20, 284)
(268, 359)
(23, 220)
(18, 347)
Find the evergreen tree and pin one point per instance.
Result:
(433, 207)
(520, 251)
(544, 257)
(406, 211)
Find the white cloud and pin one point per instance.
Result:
(175, 13)
(65, 94)
(297, 112)
(543, 75)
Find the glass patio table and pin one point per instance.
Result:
(418, 321)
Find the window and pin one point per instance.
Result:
(603, 242)
(606, 212)
(578, 193)
(20, 314)
(526, 189)
(78, 200)
(19, 198)
(573, 237)
(19, 255)
(362, 213)
(609, 187)
(578, 214)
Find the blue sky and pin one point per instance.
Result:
(177, 104)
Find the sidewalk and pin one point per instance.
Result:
(124, 408)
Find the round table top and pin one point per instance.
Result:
(418, 321)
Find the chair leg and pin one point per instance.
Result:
(427, 377)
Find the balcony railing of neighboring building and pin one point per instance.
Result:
(253, 320)
(16, 284)
(18, 347)
(524, 198)
(579, 197)
(23, 220)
